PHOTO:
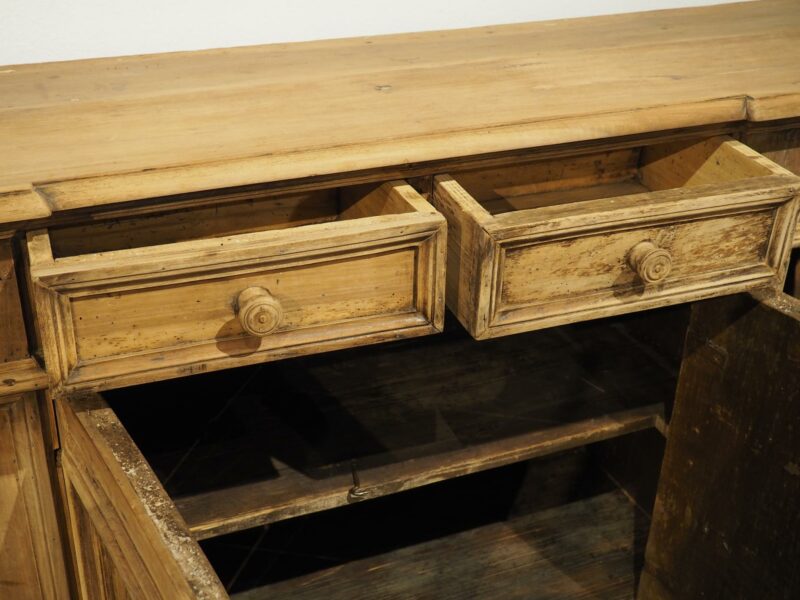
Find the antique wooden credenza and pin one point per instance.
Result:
(183, 214)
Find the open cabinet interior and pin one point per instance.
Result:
(444, 464)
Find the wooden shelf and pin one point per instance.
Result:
(585, 549)
(295, 493)
(253, 446)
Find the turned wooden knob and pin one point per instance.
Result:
(651, 263)
(259, 311)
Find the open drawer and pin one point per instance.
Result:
(242, 282)
(561, 240)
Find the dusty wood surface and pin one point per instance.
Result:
(31, 557)
(426, 411)
(127, 538)
(23, 375)
(87, 132)
(586, 549)
(717, 218)
(726, 523)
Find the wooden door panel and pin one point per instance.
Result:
(127, 538)
(726, 522)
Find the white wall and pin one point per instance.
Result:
(44, 30)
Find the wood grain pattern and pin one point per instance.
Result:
(586, 549)
(725, 523)
(23, 375)
(274, 113)
(723, 214)
(217, 513)
(112, 318)
(124, 531)
(31, 560)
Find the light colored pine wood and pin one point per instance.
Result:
(122, 316)
(127, 539)
(141, 127)
(31, 558)
(23, 375)
(719, 220)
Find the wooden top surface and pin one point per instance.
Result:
(84, 133)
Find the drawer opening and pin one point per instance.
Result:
(230, 216)
(610, 174)
(259, 445)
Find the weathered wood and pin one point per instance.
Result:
(587, 549)
(719, 219)
(112, 318)
(127, 539)
(726, 524)
(219, 512)
(31, 558)
(23, 375)
(238, 116)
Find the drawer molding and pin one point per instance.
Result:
(331, 264)
(494, 259)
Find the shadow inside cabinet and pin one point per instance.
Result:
(534, 456)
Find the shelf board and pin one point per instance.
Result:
(285, 441)
(591, 548)
(294, 493)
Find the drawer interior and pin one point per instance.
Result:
(611, 174)
(219, 215)
(262, 462)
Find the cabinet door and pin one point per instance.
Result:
(127, 538)
(31, 564)
(726, 522)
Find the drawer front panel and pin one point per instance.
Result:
(332, 292)
(550, 272)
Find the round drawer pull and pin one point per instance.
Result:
(651, 263)
(259, 312)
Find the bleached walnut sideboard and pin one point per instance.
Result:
(169, 215)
